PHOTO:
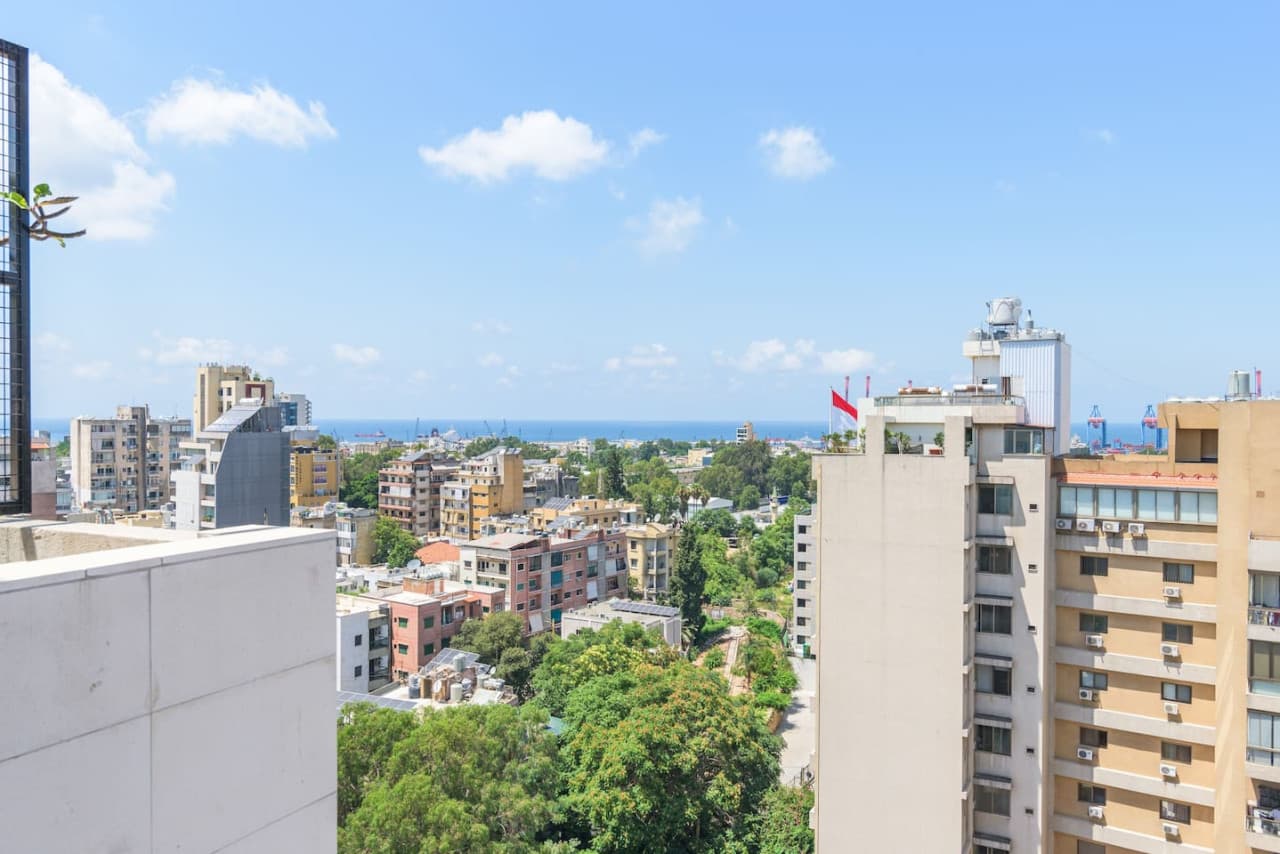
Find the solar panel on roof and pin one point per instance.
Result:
(645, 608)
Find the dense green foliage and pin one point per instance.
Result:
(63, 448)
(528, 450)
(499, 640)
(688, 579)
(734, 468)
(784, 822)
(590, 654)
(325, 442)
(392, 544)
(360, 477)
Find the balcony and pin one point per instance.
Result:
(1263, 615)
(1262, 830)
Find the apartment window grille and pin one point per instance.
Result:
(1087, 794)
(1175, 632)
(990, 799)
(995, 498)
(1093, 679)
(1172, 752)
(1174, 811)
(995, 619)
(993, 739)
(1090, 737)
(1091, 565)
(997, 560)
(1180, 573)
(1093, 623)
(1175, 692)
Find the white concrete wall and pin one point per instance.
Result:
(350, 626)
(153, 703)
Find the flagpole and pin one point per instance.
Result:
(830, 415)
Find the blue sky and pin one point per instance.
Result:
(664, 211)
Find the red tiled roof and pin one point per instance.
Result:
(437, 553)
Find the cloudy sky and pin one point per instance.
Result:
(709, 210)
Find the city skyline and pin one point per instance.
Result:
(682, 229)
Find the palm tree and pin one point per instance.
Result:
(683, 495)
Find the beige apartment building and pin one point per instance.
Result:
(219, 387)
(584, 513)
(651, 550)
(409, 490)
(315, 473)
(123, 463)
(491, 484)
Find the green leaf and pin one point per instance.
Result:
(17, 199)
(61, 242)
(40, 191)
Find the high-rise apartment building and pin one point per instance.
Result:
(409, 490)
(15, 286)
(804, 591)
(315, 473)
(934, 606)
(220, 387)
(491, 484)
(295, 409)
(745, 433)
(124, 463)
(235, 472)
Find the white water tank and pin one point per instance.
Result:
(1005, 311)
(455, 692)
(1240, 386)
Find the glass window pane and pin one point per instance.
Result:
(1067, 501)
(1208, 508)
(1037, 441)
(1124, 503)
(1147, 504)
(1107, 503)
(1084, 500)
(1188, 506)
(1165, 511)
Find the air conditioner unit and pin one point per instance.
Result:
(1171, 709)
(1173, 593)
(1086, 525)
(1170, 829)
(1168, 771)
(1095, 813)
(1086, 694)
(1169, 650)
(1062, 524)
(1084, 754)
(1094, 641)
(1111, 527)
(1137, 529)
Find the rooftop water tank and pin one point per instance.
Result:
(455, 692)
(1005, 311)
(1240, 386)
(415, 685)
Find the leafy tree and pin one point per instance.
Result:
(791, 474)
(589, 654)
(661, 759)
(688, 579)
(325, 442)
(465, 779)
(718, 521)
(360, 477)
(615, 484)
(720, 480)
(63, 448)
(491, 636)
(392, 544)
(783, 826)
(515, 667)
(366, 736)
(748, 498)
(746, 530)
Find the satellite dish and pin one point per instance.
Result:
(413, 564)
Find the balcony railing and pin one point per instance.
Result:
(1261, 615)
(1263, 821)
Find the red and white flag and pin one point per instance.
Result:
(844, 415)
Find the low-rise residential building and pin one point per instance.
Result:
(585, 513)
(315, 473)
(236, 472)
(491, 484)
(804, 594)
(663, 618)
(354, 526)
(409, 490)
(543, 576)
(544, 481)
(124, 463)
(364, 644)
(651, 551)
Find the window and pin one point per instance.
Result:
(1264, 667)
(1093, 679)
(1090, 737)
(995, 559)
(989, 799)
(1093, 623)
(1023, 441)
(993, 739)
(1264, 590)
(994, 680)
(995, 619)
(535, 563)
(428, 622)
(1147, 505)
(1095, 795)
(1175, 633)
(802, 529)
(801, 584)
(1165, 506)
(520, 585)
(995, 498)
(1107, 502)
(402, 648)
(1199, 508)
(1171, 811)
(802, 547)
(444, 642)
(1180, 573)
(359, 640)
(1067, 501)
(557, 558)
(402, 622)
(520, 606)
(1171, 752)
(1264, 739)
(1175, 693)
(1090, 565)
(359, 670)
(428, 648)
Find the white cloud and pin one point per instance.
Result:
(491, 327)
(671, 225)
(776, 355)
(540, 141)
(188, 350)
(420, 376)
(81, 149)
(643, 138)
(642, 356)
(795, 152)
(491, 360)
(361, 357)
(51, 342)
(273, 357)
(560, 368)
(95, 370)
(200, 112)
(1102, 135)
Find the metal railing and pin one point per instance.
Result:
(1257, 823)
(953, 399)
(1261, 615)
